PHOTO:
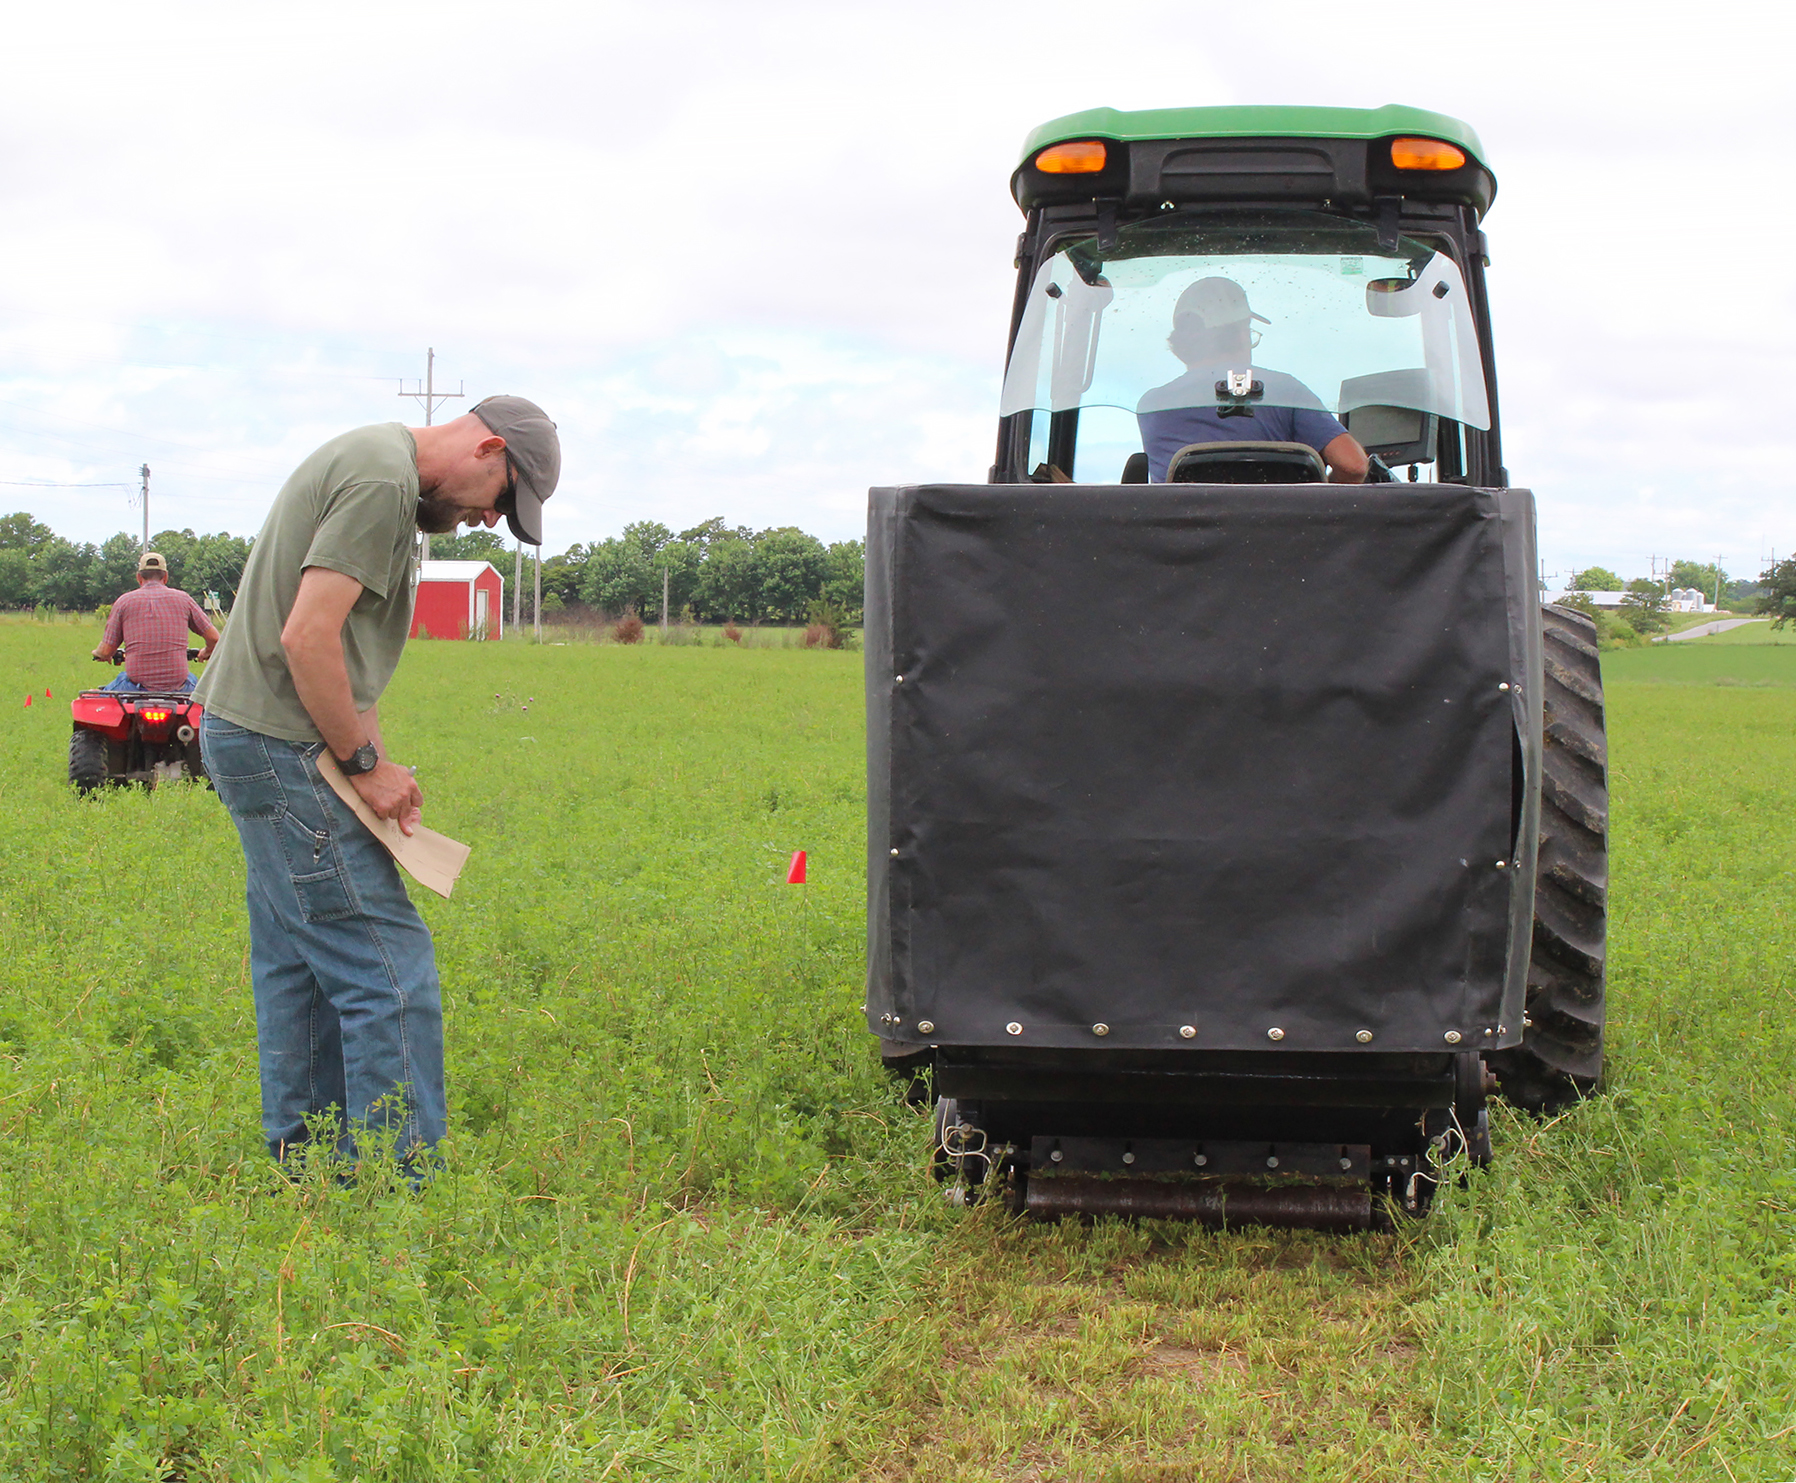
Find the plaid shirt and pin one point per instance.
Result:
(153, 622)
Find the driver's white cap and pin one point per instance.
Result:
(1214, 302)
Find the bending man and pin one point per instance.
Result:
(349, 1017)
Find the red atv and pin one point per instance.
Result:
(134, 737)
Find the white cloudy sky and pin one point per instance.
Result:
(756, 257)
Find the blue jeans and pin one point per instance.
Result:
(125, 684)
(349, 1016)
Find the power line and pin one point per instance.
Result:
(427, 393)
(429, 396)
(58, 484)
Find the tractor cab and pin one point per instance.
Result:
(1232, 834)
(1249, 277)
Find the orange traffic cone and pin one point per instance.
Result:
(795, 871)
(27, 700)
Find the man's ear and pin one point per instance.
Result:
(489, 445)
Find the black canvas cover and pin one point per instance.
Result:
(1225, 760)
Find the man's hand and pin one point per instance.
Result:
(103, 654)
(392, 793)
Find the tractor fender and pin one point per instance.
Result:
(102, 713)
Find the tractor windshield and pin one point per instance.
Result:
(1272, 319)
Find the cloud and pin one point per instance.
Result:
(757, 258)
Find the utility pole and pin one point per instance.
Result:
(517, 584)
(664, 601)
(536, 602)
(428, 394)
(144, 497)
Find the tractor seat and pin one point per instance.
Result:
(1246, 463)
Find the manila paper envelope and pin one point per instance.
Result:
(433, 860)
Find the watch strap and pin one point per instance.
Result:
(363, 759)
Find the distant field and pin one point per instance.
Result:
(685, 1231)
(1705, 661)
(1755, 634)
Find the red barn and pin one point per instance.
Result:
(459, 600)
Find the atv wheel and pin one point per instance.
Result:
(87, 760)
(1560, 1058)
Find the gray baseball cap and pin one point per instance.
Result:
(534, 451)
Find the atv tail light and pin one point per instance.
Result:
(155, 715)
(1426, 154)
(1079, 157)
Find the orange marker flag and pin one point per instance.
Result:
(27, 700)
(47, 695)
(795, 871)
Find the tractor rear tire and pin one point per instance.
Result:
(1560, 1059)
(87, 760)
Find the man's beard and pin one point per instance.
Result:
(436, 516)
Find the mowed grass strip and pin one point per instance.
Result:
(685, 1231)
(1120, 1352)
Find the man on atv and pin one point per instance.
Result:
(1212, 332)
(152, 625)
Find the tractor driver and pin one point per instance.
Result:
(153, 623)
(1212, 333)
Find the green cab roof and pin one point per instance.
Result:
(1254, 122)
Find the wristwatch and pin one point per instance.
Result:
(362, 759)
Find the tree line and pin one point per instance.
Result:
(38, 568)
(1644, 599)
(715, 572)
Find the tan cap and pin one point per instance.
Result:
(151, 561)
(533, 449)
(1214, 302)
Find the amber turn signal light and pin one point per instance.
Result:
(1426, 154)
(1080, 157)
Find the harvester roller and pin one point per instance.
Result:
(1207, 1202)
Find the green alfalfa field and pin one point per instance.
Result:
(685, 1229)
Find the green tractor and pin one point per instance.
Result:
(1237, 813)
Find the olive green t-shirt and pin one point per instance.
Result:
(351, 507)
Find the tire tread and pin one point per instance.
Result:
(1560, 1059)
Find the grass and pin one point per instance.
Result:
(1614, 1301)
(684, 1231)
(1706, 662)
(649, 1253)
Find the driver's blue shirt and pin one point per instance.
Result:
(1185, 411)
